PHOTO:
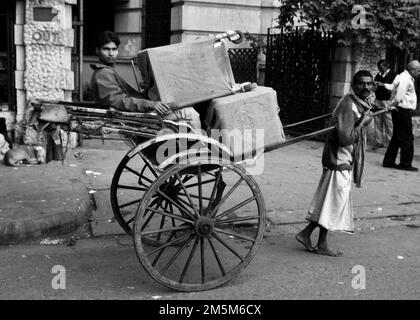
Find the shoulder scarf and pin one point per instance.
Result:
(360, 146)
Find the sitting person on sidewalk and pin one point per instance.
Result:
(111, 90)
(343, 157)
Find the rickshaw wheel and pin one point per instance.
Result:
(132, 178)
(210, 229)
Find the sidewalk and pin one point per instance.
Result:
(43, 201)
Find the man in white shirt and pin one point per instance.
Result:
(404, 98)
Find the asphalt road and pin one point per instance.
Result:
(381, 261)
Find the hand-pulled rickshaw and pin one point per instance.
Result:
(196, 214)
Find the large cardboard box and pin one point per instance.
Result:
(246, 122)
(187, 73)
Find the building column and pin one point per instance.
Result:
(342, 68)
(43, 38)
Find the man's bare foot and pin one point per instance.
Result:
(305, 241)
(328, 252)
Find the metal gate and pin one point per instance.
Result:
(298, 67)
(244, 64)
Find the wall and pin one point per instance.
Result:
(367, 57)
(128, 21)
(194, 18)
(346, 62)
(43, 39)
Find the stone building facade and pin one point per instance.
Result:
(43, 39)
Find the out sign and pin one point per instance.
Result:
(46, 36)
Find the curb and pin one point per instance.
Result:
(18, 231)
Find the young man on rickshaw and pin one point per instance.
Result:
(110, 89)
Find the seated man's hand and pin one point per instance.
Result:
(172, 105)
(159, 107)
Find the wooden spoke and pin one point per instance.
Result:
(130, 220)
(173, 258)
(145, 233)
(196, 184)
(219, 262)
(233, 220)
(161, 250)
(187, 264)
(180, 207)
(133, 171)
(170, 215)
(131, 188)
(162, 223)
(129, 203)
(193, 196)
(214, 210)
(203, 265)
(233, 209)
(188, 196)
(148, 180)
(150, 215)
(200, 189)
(172, 211)
(182, 201)
(223, 242)
(234, 234)
(213, 192)
(170, 243)
(147, 164)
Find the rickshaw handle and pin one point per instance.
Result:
(313, 134)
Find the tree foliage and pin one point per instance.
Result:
(388, 22)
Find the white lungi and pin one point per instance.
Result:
(331, 205)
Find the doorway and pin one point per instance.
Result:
(7, 56)
(157, 23)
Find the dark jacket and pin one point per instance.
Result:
(345, 145)
(382, 93)
(110, 90)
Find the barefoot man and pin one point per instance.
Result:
(342, 161)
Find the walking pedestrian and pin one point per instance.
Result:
(383, 122)
(343, 161)
(404, 98)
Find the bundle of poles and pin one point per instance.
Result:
(94, 118)
(315, 133)
(91, 119)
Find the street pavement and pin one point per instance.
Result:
(40, 202)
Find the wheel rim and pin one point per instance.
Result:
(132, 178)
(207, 233)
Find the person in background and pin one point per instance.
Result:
(383, 122)
(404, 98)
(342, 161)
